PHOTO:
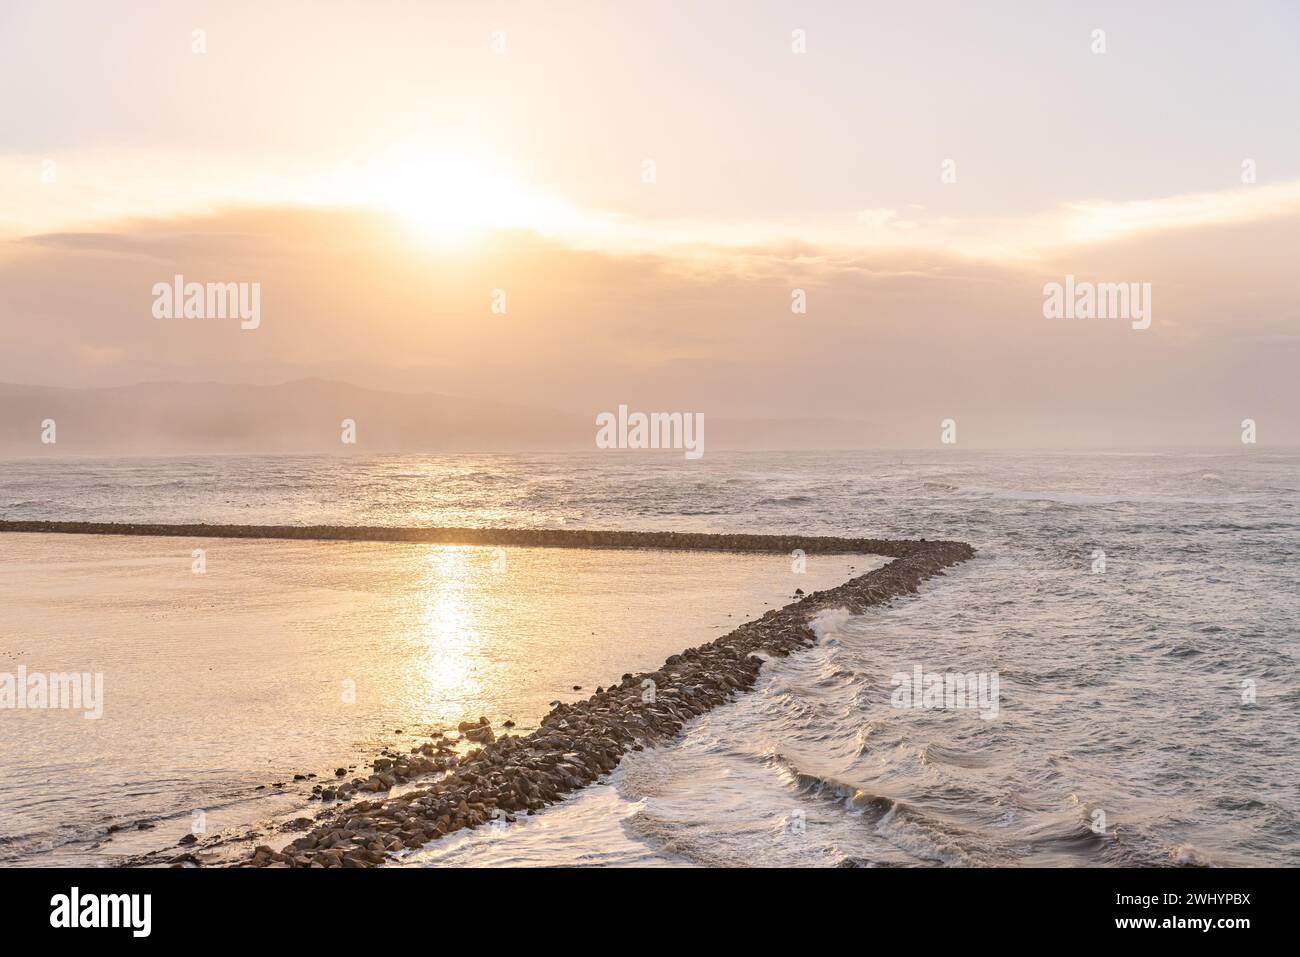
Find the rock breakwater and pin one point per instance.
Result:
(505, 775)
(519, 537)
(578, 742)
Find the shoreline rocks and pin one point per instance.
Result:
(578, 742)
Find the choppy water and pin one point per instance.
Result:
(1122, 736)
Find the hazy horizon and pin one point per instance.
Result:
(302, 416)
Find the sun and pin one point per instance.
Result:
(449, 196)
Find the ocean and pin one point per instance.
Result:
(1138, 609)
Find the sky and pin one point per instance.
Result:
(649, 185)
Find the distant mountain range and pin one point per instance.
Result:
(306, 416)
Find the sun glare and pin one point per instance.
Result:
(453, 196)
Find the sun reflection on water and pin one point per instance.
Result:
(449, 663)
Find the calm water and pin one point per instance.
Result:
(299, 657)
(1122, 736)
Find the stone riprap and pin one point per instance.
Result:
(577, 743)
(519, 537)
(503, 776)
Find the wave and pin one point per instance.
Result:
(786, 500)
(1088, 498)
(1186, 855)
(905, 828)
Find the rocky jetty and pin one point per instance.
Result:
(519, 537)
(577, 743)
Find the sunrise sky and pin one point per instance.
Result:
(381, 168)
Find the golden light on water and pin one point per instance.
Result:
(449, 628)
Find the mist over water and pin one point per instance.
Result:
(1121, 691)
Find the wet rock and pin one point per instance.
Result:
(481, 734)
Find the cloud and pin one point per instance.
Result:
(903, 337)
(1093, 222)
